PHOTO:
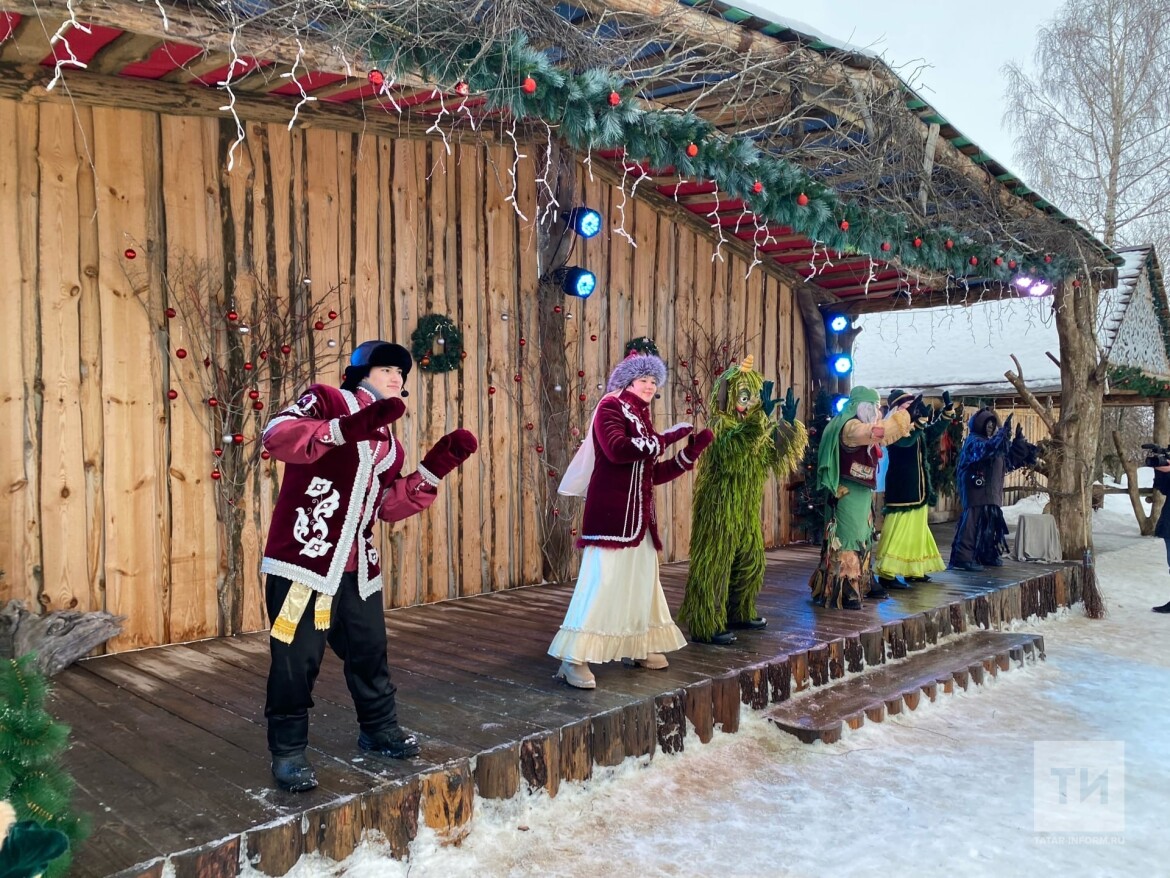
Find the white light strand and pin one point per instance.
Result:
(872, 276)
(292, 74)
(551, 205)
(439, 118)
(620, 228)
(385, 90)
(512, 171)
(163, 12)
(231, 106)
(59, 37)
(714, 213)
(588, 162)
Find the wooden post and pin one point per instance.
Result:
(671, 721)
(576, 750)
(392, 811)
(698, 704)
(540, 762)
(725, 702)
(497, 772)
(447, 801)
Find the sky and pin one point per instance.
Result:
(964, 45)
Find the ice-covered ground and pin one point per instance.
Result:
(947, 789)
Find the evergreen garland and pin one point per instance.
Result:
(808, 510)
(943, 456)
(422, 343)
(643, 344)
(520, 80)
(1133, 378)
(31, 743)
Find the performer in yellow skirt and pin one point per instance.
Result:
(907, 547)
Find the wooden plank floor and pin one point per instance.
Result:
(169, 748)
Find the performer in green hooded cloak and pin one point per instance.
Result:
(847, 466)
(727, 541)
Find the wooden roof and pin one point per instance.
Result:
(123, 53)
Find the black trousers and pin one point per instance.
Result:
(357, 634)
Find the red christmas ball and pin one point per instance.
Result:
(332, 315)
(319, 325)
(1047, 258)
(212, 401)
(284, 348)
(181, 353)
(529, 426)
(172, 394)
(917, 242)
(264, 455)
(540, 449)
(263, 355)
(757, 187)
(552, 473)
(557, 309)
(258, 406)
(170, 312)
(614, 98)
(1011, 263)
(517, 378)
(216, 475)
(529, 85)
(376, 78)
(687, 398)
(999, 260)
(689, 411)
(580, 373)
(844, 225)
(218, 452)
(885, 246)
(248, 367)
(491, 391)
(462, 88)
(692, 149)
(238, 438)
(207, 362)
(253, 394)
(129, 254)
(573, 531)
(974, 260)
(593, 338)
(1076, 283)
(949, 244)
(695, 381)
(463, 355)
(802, 199)
(523, 342)
(582, 397)
(682, 363)
(425, 361)
(232, 315)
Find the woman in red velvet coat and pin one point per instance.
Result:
(618, 608)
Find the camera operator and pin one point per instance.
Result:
(1159, 459)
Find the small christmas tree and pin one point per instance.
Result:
(808, 511)
(31, 743)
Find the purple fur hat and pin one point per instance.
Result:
(636, 366)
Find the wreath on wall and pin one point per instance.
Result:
(436, 343)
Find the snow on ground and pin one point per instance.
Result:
(948, 788)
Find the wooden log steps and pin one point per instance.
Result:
(822, 714)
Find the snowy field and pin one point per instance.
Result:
(946, 789)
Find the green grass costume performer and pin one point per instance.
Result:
(847, 465)
(727, 540)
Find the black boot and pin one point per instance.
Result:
(293, 773)
(1165, 608)
(719, 638)
(877, 591)
(392, 741)
(922, 578)
(969, 566)
(754, 624)
(888, 582)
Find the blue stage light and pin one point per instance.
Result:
(841, 364)
(839, 403)
(585, 221)
(839, 323)
(577, 281)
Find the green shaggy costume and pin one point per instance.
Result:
(727, 541)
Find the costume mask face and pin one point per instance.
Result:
(990, 427)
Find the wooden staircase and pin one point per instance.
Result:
(892, 688)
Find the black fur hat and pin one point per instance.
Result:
(369, 354)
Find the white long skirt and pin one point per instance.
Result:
(618, 609)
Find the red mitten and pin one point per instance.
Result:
(678, 431)
(364, 425)
(698, 442)
(450, 451)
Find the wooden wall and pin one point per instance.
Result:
(108, 502)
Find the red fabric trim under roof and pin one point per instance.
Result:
(165, 59)
(8, 23)
(84, 45)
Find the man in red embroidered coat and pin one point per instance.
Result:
(618, 609)
(343, 470)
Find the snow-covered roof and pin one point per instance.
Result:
(967, 348)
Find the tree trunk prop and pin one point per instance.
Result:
(56, 639)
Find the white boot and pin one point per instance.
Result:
(654, 661)
(577, 674)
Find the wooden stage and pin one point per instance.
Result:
(169, 748)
